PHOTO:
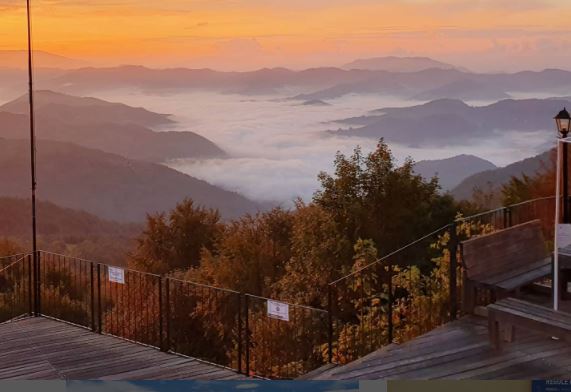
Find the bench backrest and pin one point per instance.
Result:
(501, 251)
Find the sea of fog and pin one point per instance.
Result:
(277, 146)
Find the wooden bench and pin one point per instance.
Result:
(504, 315)
(504, 261)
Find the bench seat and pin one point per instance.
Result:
(504, 261)
(512, 312)
(520, 276)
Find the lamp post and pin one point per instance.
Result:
(563, 123)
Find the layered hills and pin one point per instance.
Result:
(107, 185)
(108, 126)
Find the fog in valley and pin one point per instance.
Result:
(278, 146)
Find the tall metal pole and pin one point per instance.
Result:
(32, 139)
(565, 184)
(555, 282)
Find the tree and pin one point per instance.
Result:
(250, 255)
(320, 254)
(370, 197)
(176, 242)
(9, 247)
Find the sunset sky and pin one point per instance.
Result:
(482, 35)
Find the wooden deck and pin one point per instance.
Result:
(40, 348)
(461, 350)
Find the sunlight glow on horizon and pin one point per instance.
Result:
(232, 34)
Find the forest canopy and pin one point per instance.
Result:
(368, 205)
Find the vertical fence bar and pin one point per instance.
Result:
(37, 256)
(161, 321)
(247, 330)
(390, 300)
(167, 315)
(92, 286)
(330, 323)
(30, 287)
(453, 272)
(240, 332)
(99, 321)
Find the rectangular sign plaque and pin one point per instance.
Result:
(278, 310)
(563, 235)
(117, 275)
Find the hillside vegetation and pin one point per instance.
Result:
(63, 230)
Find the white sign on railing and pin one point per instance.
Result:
(278, 310)
(563, 235)
(117, 275)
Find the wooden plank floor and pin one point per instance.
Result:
(40, 348)
(461, 350)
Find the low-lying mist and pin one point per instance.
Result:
(277, 146)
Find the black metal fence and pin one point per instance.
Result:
(205, 322)
(417, 287)
(402, 295)
(15, 287)
(288, 346)
(220, 326)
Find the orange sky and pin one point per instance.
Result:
(246, 34)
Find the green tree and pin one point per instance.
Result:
(369, 196)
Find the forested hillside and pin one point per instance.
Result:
(107, 185)
(63, 230)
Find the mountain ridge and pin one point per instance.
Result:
(108, 185)
(107, 126)
(492, 180)
(451, 171)
(397, 64)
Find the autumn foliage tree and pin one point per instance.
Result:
(175, 241)
(370, 197)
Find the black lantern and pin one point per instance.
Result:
(563, 121)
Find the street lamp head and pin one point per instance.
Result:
(563, 122)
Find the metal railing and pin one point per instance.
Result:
(15, 287)
(404, 294)
(418, 287)
(284, 348)
(216, 325)
(204, 322)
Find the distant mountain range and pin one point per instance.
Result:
(107, 185)
(111, 127)
(398, 64)
(490, 180)
(88, 109)
(452, 122)
(451, 171)
(318, 83)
